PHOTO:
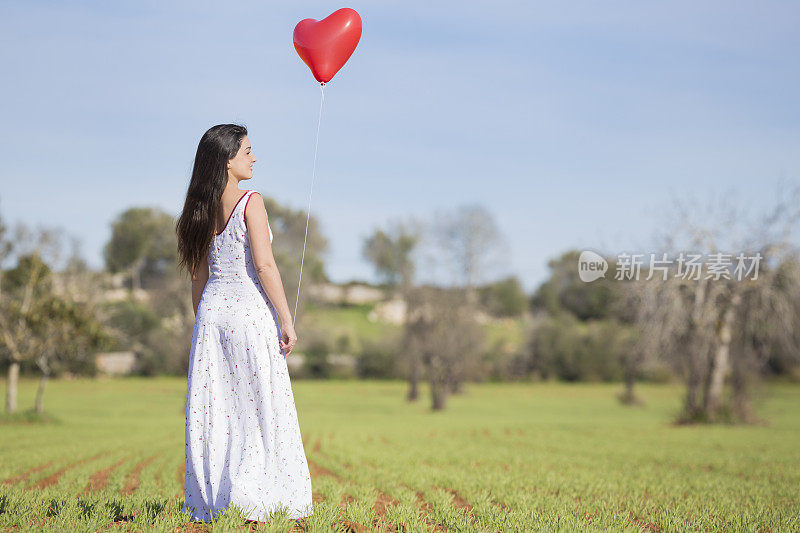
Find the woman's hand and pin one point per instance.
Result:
(289, 338)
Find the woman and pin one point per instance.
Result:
(243, 441)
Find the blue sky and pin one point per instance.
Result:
(573, 123)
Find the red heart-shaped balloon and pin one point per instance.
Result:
(326, 45)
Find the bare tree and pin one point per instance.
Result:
(447, 336)
(636, 305)
(468, 244)
(718, 327)
(416, 332)
(471, 242)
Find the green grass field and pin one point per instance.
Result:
(501, 457)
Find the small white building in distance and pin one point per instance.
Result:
(115, 363)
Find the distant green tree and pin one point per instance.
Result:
(564, 291)
(390, 253)
(142, 242)
(504, 297)
(571, 350)
(316, 362)
(289, 228)
(42, 326)
(378, 359)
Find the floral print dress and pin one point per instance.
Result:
(243, 441)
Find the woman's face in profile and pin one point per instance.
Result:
(241, 166)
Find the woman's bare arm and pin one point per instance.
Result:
(264, 262)
(199, 279)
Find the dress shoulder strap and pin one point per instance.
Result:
(249, 194)
(246, 198)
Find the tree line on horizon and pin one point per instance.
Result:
(718, 337)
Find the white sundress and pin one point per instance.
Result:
(243, 441)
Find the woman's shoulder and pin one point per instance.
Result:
(252, 194)
(262, 210)
(257, 199)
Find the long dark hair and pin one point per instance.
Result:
(196, 224)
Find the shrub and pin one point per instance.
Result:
(378, 359)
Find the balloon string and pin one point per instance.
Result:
(311, 192)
